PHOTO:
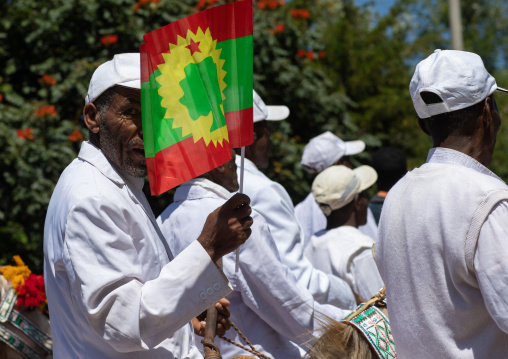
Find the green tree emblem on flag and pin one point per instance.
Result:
(192, 87)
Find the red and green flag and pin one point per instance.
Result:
(196, 93)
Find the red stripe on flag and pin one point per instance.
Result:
(145, 71)
(229, 21)
(183, 161)
(240, 127)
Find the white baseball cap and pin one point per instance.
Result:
(123, 70)
(337, 186)
(459, 78)
(269, 113)
(324, 150)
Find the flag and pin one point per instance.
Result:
(196, 93)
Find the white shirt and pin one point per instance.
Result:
(442, 253)
(272, 201)
(267, 305)
(347, 253)
(112, 290)
(313, 220)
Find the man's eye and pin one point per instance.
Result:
(131, 112)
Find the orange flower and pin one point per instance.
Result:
(25, 134)
(322, 54)
(109, 39)
(310, 55)
(261, 5)
(301, 53)
(272, 4)
(75, 136)
(281, 2)
(304, 13)
(280, 28)
(50, 80)
(48, 110)
(156, 1)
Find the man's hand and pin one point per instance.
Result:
(199, 323)
(227, 227)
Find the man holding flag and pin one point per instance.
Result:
(114, 288)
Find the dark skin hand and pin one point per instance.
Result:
(223, 325)
(227, 228)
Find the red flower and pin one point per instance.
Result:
(48, 110)
(137, 6)
(281, 2)
(304, 13)
(271, 31)
(50, 80)
(75, 136)
(272, 4)
(110, 39)
(280, 28)
(1, 97)
(31, 294)
(144, 1)
(295, 13)
(25, 134)
(310, 55)
(156, 1)
(261, 5)
(322, 54)
(301, 53)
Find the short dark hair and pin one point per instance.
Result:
(390, 164)
(443, 125)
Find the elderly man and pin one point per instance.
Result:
(320, 153)
(443, 245)
(272, 201)
(114, 288)
(268, 305)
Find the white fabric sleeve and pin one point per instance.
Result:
(275, 205)
(104, 270)
(491, 264)
(366, 278)
(271, 290)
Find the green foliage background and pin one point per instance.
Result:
(352, 80)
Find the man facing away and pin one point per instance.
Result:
(114, 288)
(267, 305)
(272, 201)
(443, 245)
(320, 153)
(341, 249)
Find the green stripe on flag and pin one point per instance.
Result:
(238, 54)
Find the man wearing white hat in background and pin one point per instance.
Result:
(320, 153)
(272, 201)
(341, 249)
(114, 288)
(443, 235)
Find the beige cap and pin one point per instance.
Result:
(337, 186)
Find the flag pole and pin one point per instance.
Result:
(242, 154)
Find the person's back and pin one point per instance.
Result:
(427, 260)
(442, 247)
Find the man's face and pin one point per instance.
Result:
(121, 135)
(259, 151)
(362, 205)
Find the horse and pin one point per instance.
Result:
(24, 332)
(363, 334)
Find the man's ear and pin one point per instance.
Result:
(486, 113)
(92, 118)
(422, 125)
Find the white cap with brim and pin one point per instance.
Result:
(337, 186)
(123, 70)
(459, 78)
(324, 150)
(263, 112)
